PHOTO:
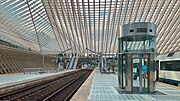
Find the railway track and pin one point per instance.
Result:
(65, 93)
(56, 90)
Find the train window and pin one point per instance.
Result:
(177, 67)
(170, 65)
(163, 64)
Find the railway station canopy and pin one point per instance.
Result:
(54, 26)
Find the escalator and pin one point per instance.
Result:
(72, 63)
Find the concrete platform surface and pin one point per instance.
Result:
(104, 89)
(13, 79)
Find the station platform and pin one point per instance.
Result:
(14, 79)
(103, 87)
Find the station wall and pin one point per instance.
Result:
(15, 61)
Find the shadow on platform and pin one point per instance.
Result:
(136, 91)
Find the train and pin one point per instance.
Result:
(169, 68)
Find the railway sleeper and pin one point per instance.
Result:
(15, 92)
(47, 91)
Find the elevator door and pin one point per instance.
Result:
(140, 82)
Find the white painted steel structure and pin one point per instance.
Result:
(51, 26)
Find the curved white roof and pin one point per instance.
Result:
(58, 25)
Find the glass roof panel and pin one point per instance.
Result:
(93, 24)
